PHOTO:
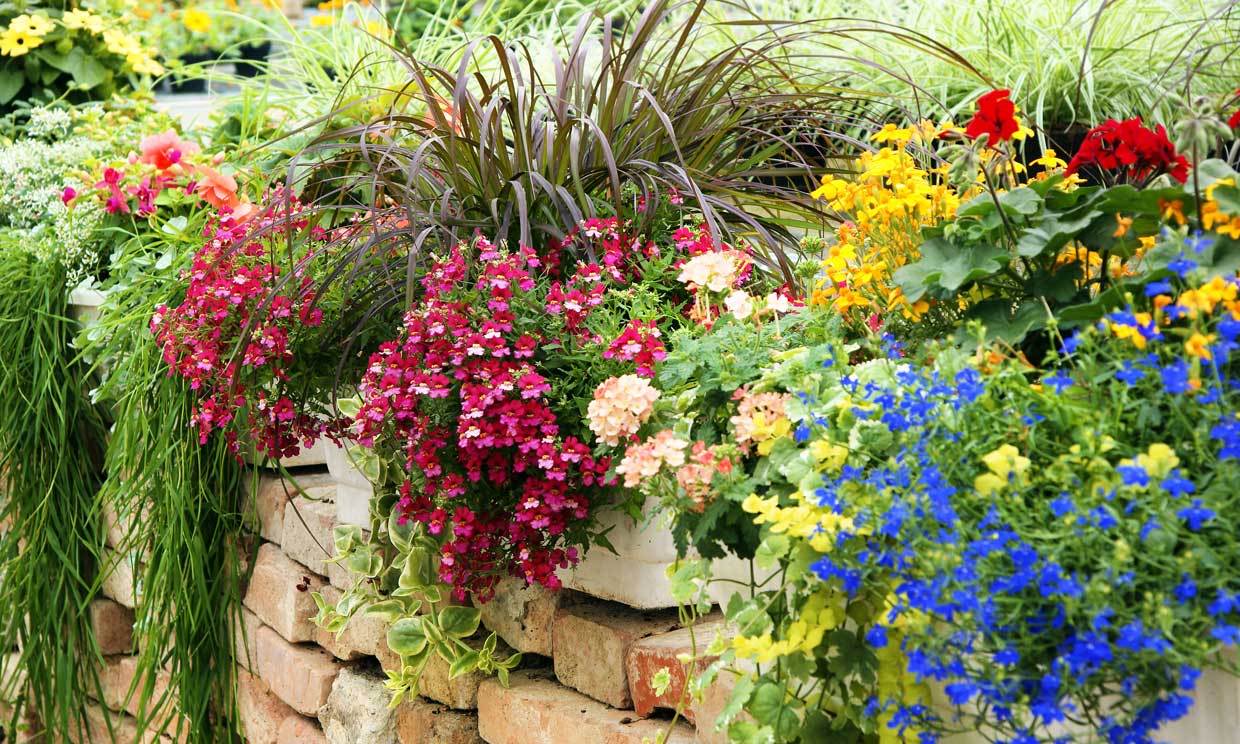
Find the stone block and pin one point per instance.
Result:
(301, 730)
(649, 655)
(523, 614)
(534, 709)
(112, 623)
(357, 709)
(280, 594)
(262, 711)
(301, 675)
(421, 722)
(592, 641)
(268, 503)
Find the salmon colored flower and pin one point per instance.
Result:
(217, 189)
(165, 149)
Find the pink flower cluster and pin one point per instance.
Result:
(460, 395)
(639, 342)
(644, 460)
(230, 337)
(620, 406)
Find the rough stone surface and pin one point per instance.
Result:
(262, 711)
(273, 495)
(714, 699)
(245, 639)
(300, 730)
(117, 678)
(422, 722)
(363, 636)
(536, 710)
(113, 626)
(523, 615)
(307, 530)
(357, 709)
(118, 579)
(280, 594)
(301, 676)
(592, 641)
(649, 655)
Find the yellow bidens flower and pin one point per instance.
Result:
(822, 612)
(1006, 465)
(83, 20)
(196, 20)
(144, 64)
(35, 25)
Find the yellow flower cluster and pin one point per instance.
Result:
(1194, 304)
(1006, 466)
(889, 200)
(24, 32)
(27, 31)
(823, 611)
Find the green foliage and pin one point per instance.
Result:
(1003, 254)
(51, 544)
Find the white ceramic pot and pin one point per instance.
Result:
(636, 574)
(353, 490)
(84, 305)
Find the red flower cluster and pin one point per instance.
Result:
(639, 342)
(1133, 151)
(995, 117)
(459, 393)
(228, 307)
(1234, 121)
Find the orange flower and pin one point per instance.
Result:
(218, 189)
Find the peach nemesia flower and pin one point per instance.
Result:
(218, 189)
(165, 149)
(642, 461)
(716, 271)
(620, 406)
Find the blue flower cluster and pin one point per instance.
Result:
(1039, 614)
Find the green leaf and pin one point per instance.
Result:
(1228, 198)
(459, 622)
(744, 732)
(346, 537)
(364, 562)
(463, 664)
(771, 705)
(773, 547)
(741, 692)
(407, 637)
(391, 609)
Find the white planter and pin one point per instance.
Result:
(353, 490)
(84, 305)
(636, 574)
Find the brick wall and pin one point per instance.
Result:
(587, 672)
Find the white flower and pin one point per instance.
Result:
(740, 304)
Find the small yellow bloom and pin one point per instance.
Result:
(1006, 461)
(120, 43)
(1123, 225)
(144, 64)
(320, 20)
(83, 20)
(16, 43)
(196, 20)
(988, 484)
(1159, 460)
(35, 25)
(1049, 160)
(1199, 346)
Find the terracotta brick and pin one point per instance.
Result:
(262, 711)
(358, 709)
(649, 655)
(421, 722)
(274, 492)
(523, 614)
(460, 693)
(363, 636)
(118, 579)
(592, 641)
(280, 594)
(534, 709)
(112, 623)
(245, 637)
(714, 699)
(300, 730)
(301, 675)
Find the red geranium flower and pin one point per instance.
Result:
(1234, 121)
(1133, 151)
(996, 116)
